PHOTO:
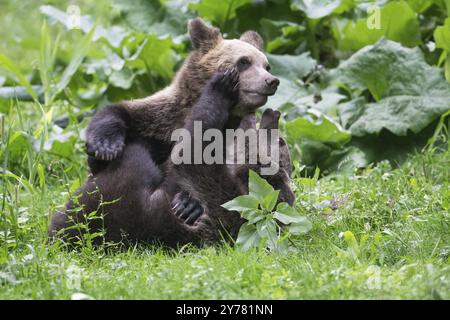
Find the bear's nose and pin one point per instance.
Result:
(272, 82)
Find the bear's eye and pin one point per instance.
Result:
(245, 61)
(268, 68)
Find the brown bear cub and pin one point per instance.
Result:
(138, 192)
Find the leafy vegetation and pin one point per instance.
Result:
(364, 96)
(266, 227)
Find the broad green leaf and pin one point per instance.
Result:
(344, 161)
(270, 200)
(253, 216)
(410, 93)
(248, 237)
(18, 143)
(318, 128)
(291, 67)
(59, 142)
(281, 36)
(301, 227)
(219, 12)
(156, 55)
(289, 216)
(397, 22)
(122, 79)
(288, 93)
(242, 203)
(267, 230)
(316, 9)
(399, 114)
(168, 17)
(420, 6)
(442, 36)
(258, 187)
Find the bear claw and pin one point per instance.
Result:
(186, 208)
(105, 150)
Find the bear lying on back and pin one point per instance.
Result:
(141, 195)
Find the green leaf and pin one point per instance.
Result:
(156, 55)
(442, 36)
(219, 12)
(248, 237)
(242, 203)
(420, 6)
(270, 200)
(299, 228)
(280, 35)
(18, 143)
(318, 128)
(267, 230)
(60, 143)
(316, 9)
(258, 187)
(287, 215)
(168, 17)
(291, 67)
(122, 78)
(253, 216)
(397, 22)
(410, 93)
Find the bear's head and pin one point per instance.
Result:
(213, 53)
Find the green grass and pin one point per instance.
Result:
(397, 247)
(381, 233)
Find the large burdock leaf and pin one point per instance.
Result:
(157, 55)
(289, 69)
(159, 17)
(316, 9)
(219, 12)
(397, 21)
(409, 93)
(317, 127)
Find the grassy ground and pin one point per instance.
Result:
(384, 233)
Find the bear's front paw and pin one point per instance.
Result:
(186, 208)
(226, 83)
(106, 149)
(270, 119)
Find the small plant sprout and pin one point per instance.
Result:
(268, 225)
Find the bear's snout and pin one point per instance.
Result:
(272, 83)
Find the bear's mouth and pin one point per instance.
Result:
(257, 93)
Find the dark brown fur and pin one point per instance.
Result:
(134, 193)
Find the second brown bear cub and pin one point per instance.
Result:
(140, 194)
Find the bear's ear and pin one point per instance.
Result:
(203, 36)
(254, 39)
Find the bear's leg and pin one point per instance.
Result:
(130, 196)
(105, 138)
(281, 179)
